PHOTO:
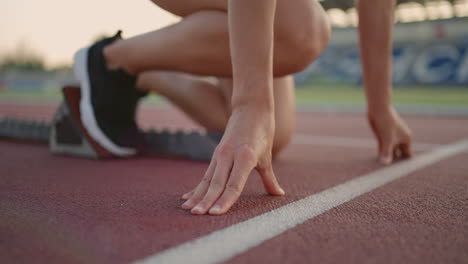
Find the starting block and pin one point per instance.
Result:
(65, 135)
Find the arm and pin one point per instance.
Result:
(375, 34)
(247, 142)
(375, 39)
(251, 44)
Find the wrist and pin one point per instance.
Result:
(379, 101)
(381, 110)
(256, 109)
(253, 105)
(259, 97)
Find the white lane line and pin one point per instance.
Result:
(304, 139)
(226, 243)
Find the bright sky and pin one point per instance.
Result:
(57, 28)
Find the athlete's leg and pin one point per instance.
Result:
(199, 42)
(207, 101)
(198, 97)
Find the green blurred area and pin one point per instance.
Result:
(306, 95)
(26, 96)
(343, 93)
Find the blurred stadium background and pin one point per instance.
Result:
(430, 62)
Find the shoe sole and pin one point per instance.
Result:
(80, 68)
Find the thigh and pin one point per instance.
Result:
(301, 28)
(291, 13)
(184, 8)
(285, 112)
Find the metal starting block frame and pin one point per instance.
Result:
(64, 137)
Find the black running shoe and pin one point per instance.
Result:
(108, 101)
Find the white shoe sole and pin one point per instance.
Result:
(80, 68)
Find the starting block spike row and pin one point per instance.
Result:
(24, 130)
(65, 136)
(194, 145)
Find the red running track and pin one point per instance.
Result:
(56, 209)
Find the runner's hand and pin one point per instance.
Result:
(246, 145)
(393, 136)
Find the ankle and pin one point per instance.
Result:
(143, 82)
(113, 59)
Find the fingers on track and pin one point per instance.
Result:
(270, 182)
(201, 189)
(244, 163)
(216, 188)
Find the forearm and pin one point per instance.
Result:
(375, 35)
(251, 45)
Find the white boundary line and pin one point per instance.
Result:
(226, 243)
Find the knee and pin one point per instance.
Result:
(281, 141)
(301, 37)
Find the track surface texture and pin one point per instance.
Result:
(57, 209)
